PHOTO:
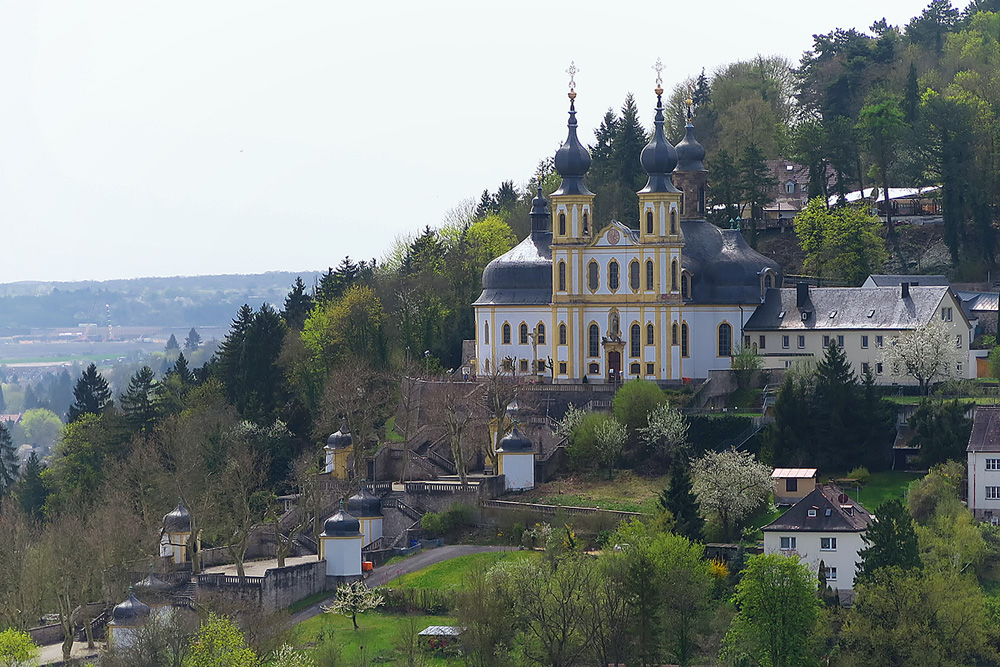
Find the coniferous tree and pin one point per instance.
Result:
(193, 340)
(941, 432)
(755, 183)
(31, 489)
(681, 501)
(724, 188)
(834, 402)
(247, 363)
(298, 303)
(172, 344)
(8, 460)
(702, 93)
(92, 395)
(181, 370)
(139, 400)
(891, 541)
(31, 399)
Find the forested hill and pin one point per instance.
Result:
(175, 301)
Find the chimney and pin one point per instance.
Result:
(905, 294)
(801, 294)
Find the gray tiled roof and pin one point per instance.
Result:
(979, 301)
(893, 280)
(852, 308)
(985, 436)
(822, 499)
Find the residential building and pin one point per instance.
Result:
(824, 527)
(792, 484)
(983, 454)
(800, 323)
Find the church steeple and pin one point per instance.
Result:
(659, 157)
(539, 213)
(690, 175)
(659, 201)
(572, 202)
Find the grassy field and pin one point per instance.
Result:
(626, 492)
(882, 486)
(375, 641)
(451, 573)
(915, 400)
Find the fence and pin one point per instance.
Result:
(555, 509)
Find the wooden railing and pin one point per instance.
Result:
(218, 580)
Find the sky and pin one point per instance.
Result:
(186, 138)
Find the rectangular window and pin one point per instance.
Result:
(864, 342)
(762, 340)
(802, 342)
(791, 485)
(784, 342)
(524, 365)
(811, 513)
(562, 368)
(650, 370)
(826, 341)
(828, 543)
(878, 342)
(993, 492)
(831, 574)
(787, 543)
(840, 342)
(541, 366)
(633, 369)
(864, 367)
(946, 314)
(746, 341)
(958, 342)
(878, 368)
(993, 464)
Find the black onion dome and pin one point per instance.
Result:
(178, 520)
(340, 439)
(522, 275)
(514, 442)
(539, 215)
(572, 159)
(659, 157)
(690, 153)
(364, 504)
(342, 524)
(723, 267)
(130, 612)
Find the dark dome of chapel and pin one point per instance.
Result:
(130, 612)
(514, 442)
(340, 439)
(690, 153)
(177, 520)
(342, 524)
(659, 157)
(364, 504)
(522, 275)
(723, 266)
(572, 159)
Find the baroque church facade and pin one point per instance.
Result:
(602, 301)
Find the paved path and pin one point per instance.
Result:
(380, 576)
(53, 652)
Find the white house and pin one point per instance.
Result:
(984, 464)
(826, 526)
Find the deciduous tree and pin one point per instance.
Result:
(219, 643)
(924, 354)
(729, 486)
(353, 599)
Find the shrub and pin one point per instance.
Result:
(860, 475)
(441, 524)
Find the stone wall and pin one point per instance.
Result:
(286, 586)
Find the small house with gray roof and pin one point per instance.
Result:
(798, 324)
(983, 454)
(826, 526)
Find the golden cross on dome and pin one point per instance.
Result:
(658, 66)
(572, 71)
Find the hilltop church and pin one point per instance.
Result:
(663, 299)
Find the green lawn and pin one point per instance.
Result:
(915, 400)
(451, 573)
(626, 492)
(882, 486)
(376, 639)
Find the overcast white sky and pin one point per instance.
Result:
(154, 138)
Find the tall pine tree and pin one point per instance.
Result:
(193, 340)
(139, 400)
(298, 304)
(8, 460)
(680, 500)
(891, 541)
(31, 490)
(91, 395)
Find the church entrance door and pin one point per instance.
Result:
(614, 366)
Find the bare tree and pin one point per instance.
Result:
(458, 407)
(362, 395)
(500, 382)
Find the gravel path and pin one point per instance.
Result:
(380, 576)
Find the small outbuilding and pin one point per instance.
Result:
(792, 484)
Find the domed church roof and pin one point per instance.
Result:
(724, 268)
(342, 524)
(514, 442)
(572, 159)
(659, 158)
(522, 275)
(690, 153)
(364, 504)
(178, 520)
(130, 612)
(340, 439)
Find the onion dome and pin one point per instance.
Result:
(540, 215)
(177, 521)
(659, 157)
(341, 524)
(514, 442)
(364, 504)
(130, 612)
(341, 439)
(690, 154)
(572, 158)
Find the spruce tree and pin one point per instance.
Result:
(835, 403)
(702, 93)
(172, 344)
(8, 460)
(298, 304)
(193, 340)
(630, 138)
(891, 541)
(182, 371)
(31, 489)
(724, 188)
(679, 499)
(139, 400)
(92, 395)
(756, 184)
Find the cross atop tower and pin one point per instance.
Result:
(572, 71)
(658, 66)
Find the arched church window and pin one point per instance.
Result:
(673, 221)
(613, 275)
(673, 334)
(522, 337)
(586, 227)
(684, 340)
(768, 281)
(486, 333)
(540, 333)
(633, 275)
(634, 342)
(725, 340)
(650, 335)
(592, 276)
(562, 334)
(593, 341)
(649, 274)
(673, 276)
(505, 333)
(649, 222)
(562, 276)
(685, 286)
(562, 224)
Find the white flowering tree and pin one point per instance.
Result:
(925, 354)
(353, 599)
(729, 486)
(610, 435)
(666, 429)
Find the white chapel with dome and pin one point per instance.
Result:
(663, 298)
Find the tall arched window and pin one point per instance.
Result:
(673, 276)
(523, 334)
(725, 340)
(649, 274)
(486, 333)
(505, 334)
(768, 281)
(562, 224)
(701, 199)
(673, 334)
(593, 341)
(673, 221)
(684, 286)
(540, 333)
(649, 222)
(562, 276)
(634, 342)
(592, 276)
(586, 228)
(683, 197)
(613, 275)
(650, 335)
(633, 275)
(684, 340)
(562, 334)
